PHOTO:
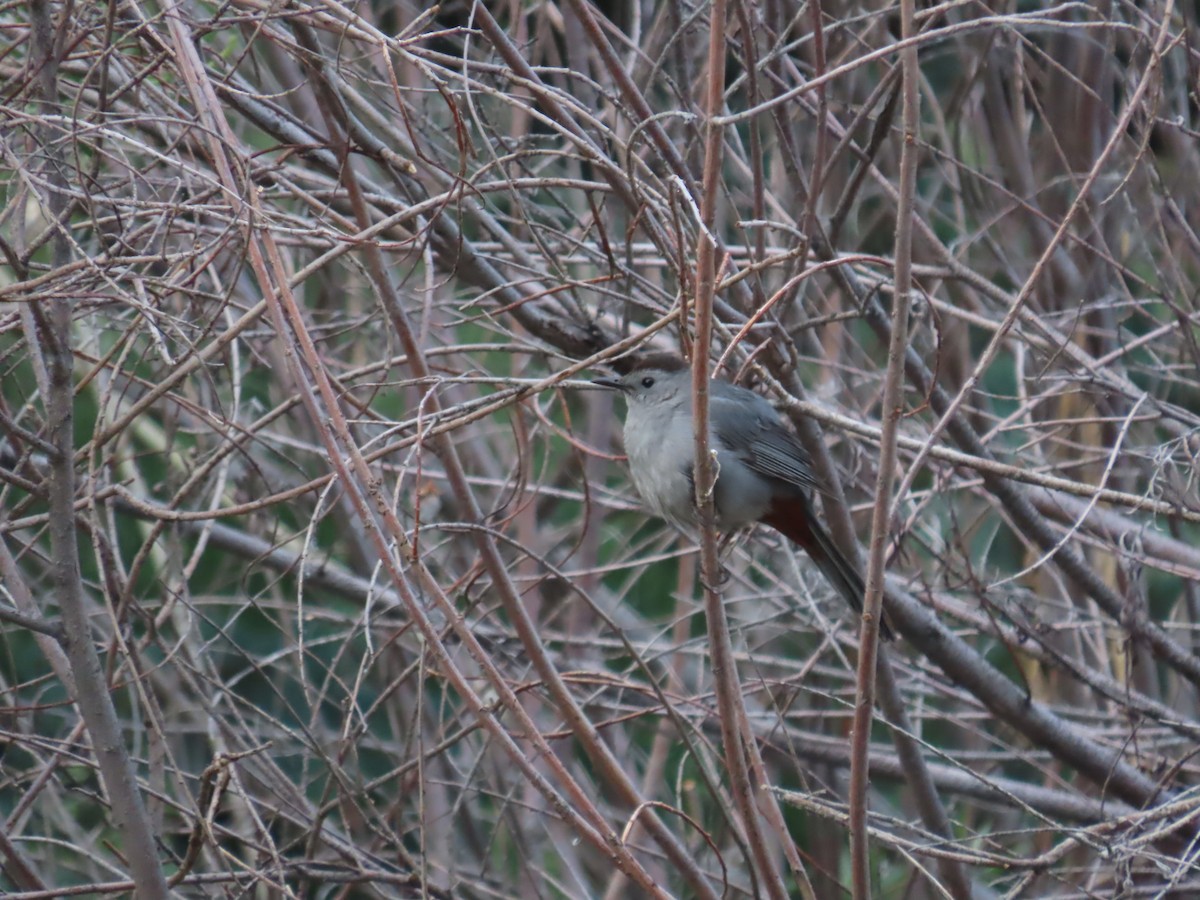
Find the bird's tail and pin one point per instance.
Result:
(796, 521)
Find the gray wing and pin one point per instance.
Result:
(750, 426)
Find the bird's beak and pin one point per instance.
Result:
(609, 382)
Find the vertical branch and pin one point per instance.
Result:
(756, 160)
(725, 676)
(920, 780)
(892, 412)
(817, 182)
(51, 333)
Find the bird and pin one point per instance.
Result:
(763, 475)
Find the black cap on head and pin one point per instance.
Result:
(664, 362)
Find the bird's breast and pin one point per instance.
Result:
(661, 451)
(659, 446)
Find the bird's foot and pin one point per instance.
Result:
(722, 580)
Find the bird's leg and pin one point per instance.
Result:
(725, 550)
(725, 547)
(723, 574)
(722, 580)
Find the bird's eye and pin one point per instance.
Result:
(648, 381)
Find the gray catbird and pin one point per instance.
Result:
(763, 474)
